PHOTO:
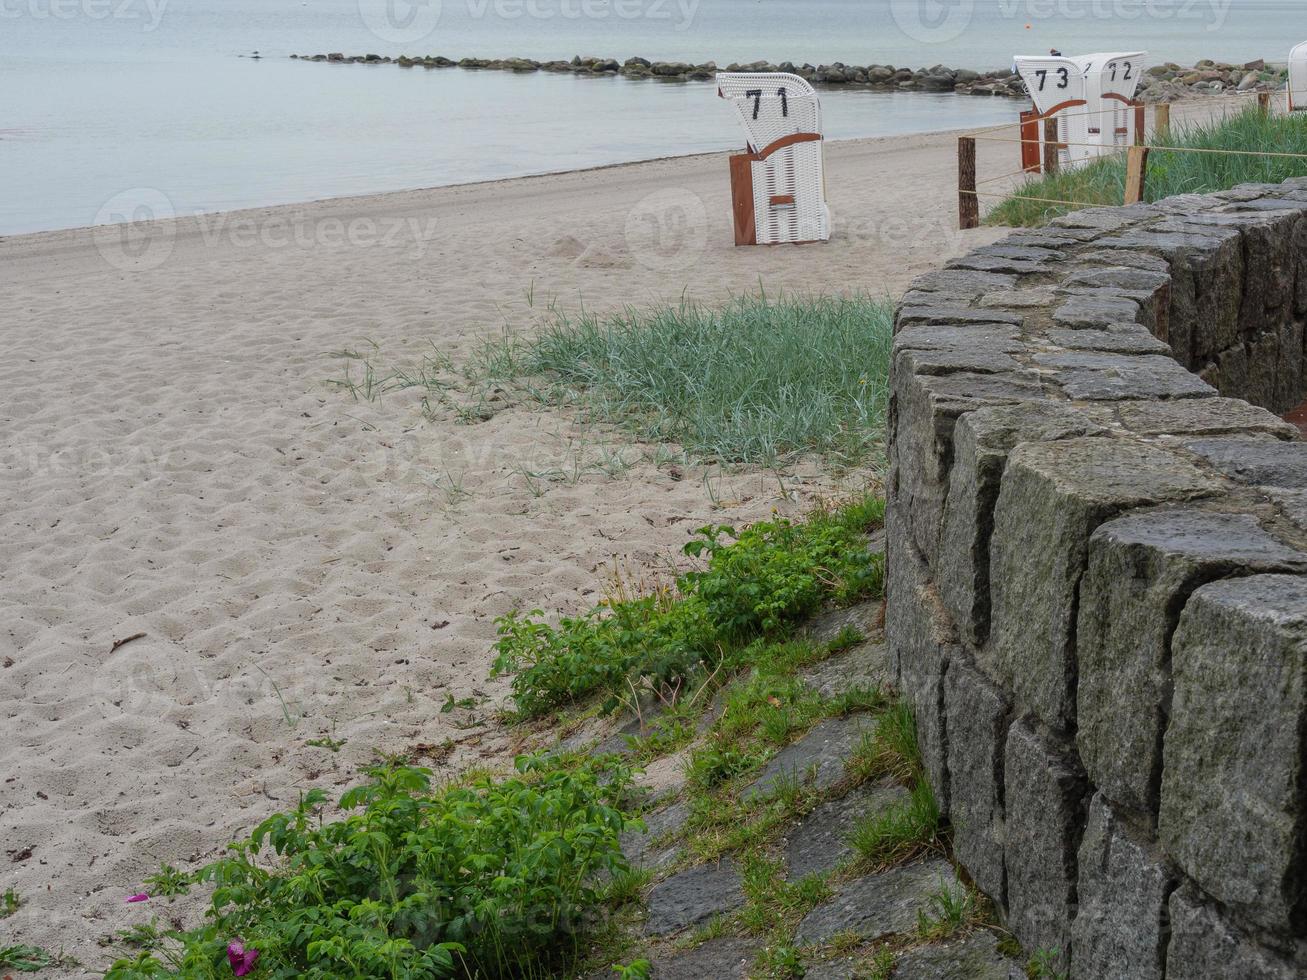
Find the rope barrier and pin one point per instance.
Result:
(1039, 200)
(1177, 149)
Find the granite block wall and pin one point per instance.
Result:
(1097, 578)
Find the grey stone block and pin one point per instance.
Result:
(975, 957)
(1200, 416)
(1266, 462)
(1142, 568)
(816, 760)
(638, 845)
(943, 313)
(1095, 311)
(927, 407)
(722, 959)
(819, 842)
(866, 665)
(1053, 496)
(982, 441)
(1004, 338)
(1117, 338)
(878, 905)
(1121, 926)
(1130, 259)
(921, 641)
(977, 358)
(1120, 277)
(1112, 377)
(1206, 946)
(1098, 219)
(977, 714)
(1045, 810)
(1234, 776)
(693, 896)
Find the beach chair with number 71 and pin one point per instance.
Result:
(778, 186)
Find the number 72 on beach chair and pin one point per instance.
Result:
(778, 186)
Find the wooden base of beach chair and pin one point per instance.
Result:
(746, 231)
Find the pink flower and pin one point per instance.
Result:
(242, 960)
(139, 897)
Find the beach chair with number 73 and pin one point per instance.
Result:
(778, 186)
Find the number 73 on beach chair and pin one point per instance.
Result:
(778, 186)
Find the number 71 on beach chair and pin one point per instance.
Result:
(778, 186)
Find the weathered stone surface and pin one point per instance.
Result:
(997, 337)
(866, 665)
(942, 313)
(1121, 926)
(1142, 568)
(1045, 812)
(1098, 219)
(962, 284)
(977, 358)
(927, 408)
(727, 959)
(816, 760)
(1122, 277)
(1053, 496)
(878, 905)
(1293, 503)
(1102, 376)
(982, 441)
(1205, 946)
(1268, 462)
(693, 896)
(820, 840)
(921, 639)
(1118, 338)
(977, 715)
(1234, 777)
(974, 958)
(1095, 311)
(639, 845)
(1199, 416)
(865, 617)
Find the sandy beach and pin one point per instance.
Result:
(290, 563)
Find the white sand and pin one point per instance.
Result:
(175, 466)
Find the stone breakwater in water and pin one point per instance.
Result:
(1097, 579)
(1163, 83)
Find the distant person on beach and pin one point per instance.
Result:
(1054, 52)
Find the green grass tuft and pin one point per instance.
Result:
(1102, 183)
(754, 381)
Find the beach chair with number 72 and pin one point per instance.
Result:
(778, 187)
(1297, 84)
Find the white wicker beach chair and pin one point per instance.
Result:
(1297, 84)
(778, 187)
(1092, 96)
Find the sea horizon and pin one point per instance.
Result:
(118, 102)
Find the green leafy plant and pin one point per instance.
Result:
(1043, 965)
(10, 902)
(24, 959)
(492, 878)
(758, 582)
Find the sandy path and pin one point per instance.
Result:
(304, 564)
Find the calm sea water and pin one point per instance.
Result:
(103, 98)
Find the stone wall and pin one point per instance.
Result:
(1097, 597)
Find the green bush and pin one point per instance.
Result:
(488, 879)
(1102, 182)
(757, 582)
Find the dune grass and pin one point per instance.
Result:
(753, 381)
(1103, 181)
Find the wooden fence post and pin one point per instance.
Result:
(1162, 121)
(968, 202)
(1140, 122)
(1050, 145)
(1136, 173)
(1264, 103)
